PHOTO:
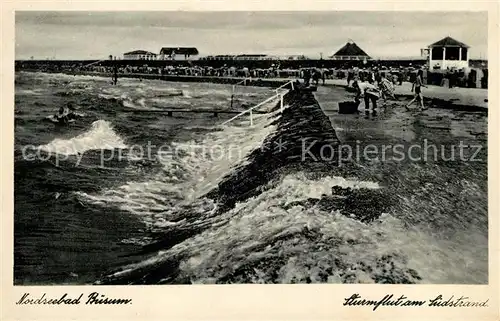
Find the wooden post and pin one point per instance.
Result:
(232, 96)
(281, 103)
(430, 59)
(251, 118)
(115, 72)
(444, 58)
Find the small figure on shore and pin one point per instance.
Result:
(417, 86)
(350, 76)
(369, 92)
(386, 88)
(453, 79)
(394, 78)
(315, 76)
(307, 77)
(371, 77)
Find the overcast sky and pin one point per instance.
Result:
(87, 35)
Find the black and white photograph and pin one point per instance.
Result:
(250, 147)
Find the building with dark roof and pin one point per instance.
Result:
(139, 55)
(448, 53)
(178, 53)
(351, 51)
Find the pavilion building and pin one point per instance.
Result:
(351, 51)
(448, 53)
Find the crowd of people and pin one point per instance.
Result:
(315, 74)
(395, 73)
(371, 83)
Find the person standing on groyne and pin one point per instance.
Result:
(369, 92)
(350, 76)
(316, 76)
(417, 85)
(307, 76)
(386, 87)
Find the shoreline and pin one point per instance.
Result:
(438, 97)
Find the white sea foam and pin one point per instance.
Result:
(299, 243)
(247, 233)
(194, 169)
(100, 136)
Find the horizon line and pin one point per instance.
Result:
(307, 58)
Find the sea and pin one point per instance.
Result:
(91, 196)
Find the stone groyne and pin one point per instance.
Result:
(303, 141)
(281, 153)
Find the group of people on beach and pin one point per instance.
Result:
(377, 86)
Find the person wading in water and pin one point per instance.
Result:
(417, 85)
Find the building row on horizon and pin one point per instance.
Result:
(443, 54)
(166, 53)
(184, 53)
(350, 51)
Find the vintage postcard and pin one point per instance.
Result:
(249, 161)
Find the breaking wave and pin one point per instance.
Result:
(100, 136)
(189, 170)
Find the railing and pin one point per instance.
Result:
(92, 63)
(256, 106)
(278, 94)
(244, 82)
(282, 86)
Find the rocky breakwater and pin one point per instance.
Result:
(303, 141)
(282, 153)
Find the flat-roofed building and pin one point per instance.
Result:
(139, 55)
(178, 53)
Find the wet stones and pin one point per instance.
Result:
(302, 121)
(388, 271)
(365, 205)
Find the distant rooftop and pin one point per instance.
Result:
(448, 42)
(251, 55)
(139, 52)
(351, 49)
(179, 51)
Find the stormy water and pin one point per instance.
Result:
(122, 197)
